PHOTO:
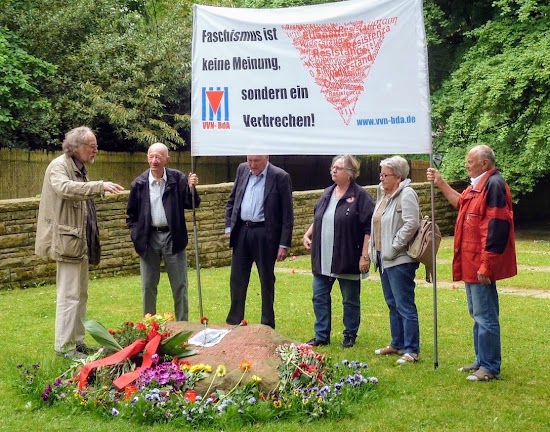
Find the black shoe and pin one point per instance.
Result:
(232, 323)
(317, 342)
(84, 349)
(348, 342)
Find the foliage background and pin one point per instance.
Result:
(123, 68)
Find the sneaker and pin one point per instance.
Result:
(407, 358)
(472, 367)
(81, 347)
(73, 355)
(348, 342)
(388, 350)
(482, 375)
(317, 342)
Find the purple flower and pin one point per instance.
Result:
(46, 394)
(114, 412)
(163, 373)
(325, 389)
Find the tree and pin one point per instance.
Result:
(499, 94)
(447, 24)
(135, 83)
(124, 68)
(24, 112)
(120, 70)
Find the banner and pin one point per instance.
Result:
(348, 77)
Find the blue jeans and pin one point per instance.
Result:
(484, 309)
(351, 302)
(398, 287)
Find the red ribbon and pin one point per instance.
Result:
(149, 346)
(150, 349)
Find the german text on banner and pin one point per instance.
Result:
(347, 77)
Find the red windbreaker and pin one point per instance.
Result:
(484, 231)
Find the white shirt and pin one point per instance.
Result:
(156, 190)
(475, 180)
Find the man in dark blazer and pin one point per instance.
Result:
(155, 216)
(258, 220)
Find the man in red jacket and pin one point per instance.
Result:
(484, 252)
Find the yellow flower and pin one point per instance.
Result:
(199, 367)
(245, 366)
(196, 368)
(221, 371)
(277, 404)
(256, 379)
(169, 316)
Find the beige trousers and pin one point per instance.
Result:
(72, 298)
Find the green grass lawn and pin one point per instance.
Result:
(415, 397)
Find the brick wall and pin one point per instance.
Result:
(19, 267)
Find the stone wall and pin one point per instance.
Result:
(19, 267)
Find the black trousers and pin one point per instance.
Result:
(252, 247)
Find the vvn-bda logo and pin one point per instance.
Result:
(215, 108)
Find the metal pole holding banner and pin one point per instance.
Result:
(434, 271)
(196, 243)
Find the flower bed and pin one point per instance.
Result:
(161, 388)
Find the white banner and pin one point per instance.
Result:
(348, 77)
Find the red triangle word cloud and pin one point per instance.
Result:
(214, 98)
(339, 57)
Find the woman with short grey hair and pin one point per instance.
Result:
(395, 220)
(338, 239)
(351, 165)
(398, 166)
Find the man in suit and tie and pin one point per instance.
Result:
(258, 220)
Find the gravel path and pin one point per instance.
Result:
(537, 293)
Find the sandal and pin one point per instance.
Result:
(472, 367)
(407, 358)
(388, 350)
(482, 375)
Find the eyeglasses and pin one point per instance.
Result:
(384, 176)
(336, 168)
